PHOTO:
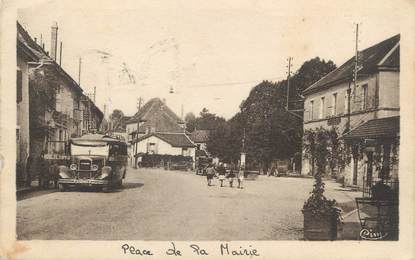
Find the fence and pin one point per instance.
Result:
(368, 185)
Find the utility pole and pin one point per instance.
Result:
(355, 70)
(60, 55)
(139, 103)
(288, 80)
(79, 71)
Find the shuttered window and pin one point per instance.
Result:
(19, 86)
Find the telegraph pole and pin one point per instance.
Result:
(288, 80)
(79, 71)
(356, 68)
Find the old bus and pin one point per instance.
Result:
(95, 160)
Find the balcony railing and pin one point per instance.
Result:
(369, 184)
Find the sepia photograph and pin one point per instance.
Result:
(157, 126)
(196, 121)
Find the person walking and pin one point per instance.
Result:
(231, 176)
(222, 173)
(210, 172)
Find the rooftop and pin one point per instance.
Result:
(199, 136)
(375, 128)
(383, 55)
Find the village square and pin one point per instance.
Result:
(313, 155)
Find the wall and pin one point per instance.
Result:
(23, 145)
(162, 147)
(389, 89)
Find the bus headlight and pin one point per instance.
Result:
(94, 167)
(63, 172)
(73, 167)
(105, 172)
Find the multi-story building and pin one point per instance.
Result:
(365, 112)
(53, 107)
(24, 56)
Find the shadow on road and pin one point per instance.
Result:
(130, 185)
(33, 193)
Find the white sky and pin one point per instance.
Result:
(197, 47)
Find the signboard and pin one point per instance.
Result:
(50, 156)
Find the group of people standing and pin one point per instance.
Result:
(222, 174)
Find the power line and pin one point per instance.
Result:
(232, 83)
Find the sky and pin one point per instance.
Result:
(211, 53)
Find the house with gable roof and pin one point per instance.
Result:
(365, 114)
(156, 129)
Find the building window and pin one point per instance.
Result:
(19, 85)
(334, 105)
(185, 152)
(322, 104)
(364, 97)
(311, 109)
(151, 148)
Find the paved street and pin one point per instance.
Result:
(169, 205)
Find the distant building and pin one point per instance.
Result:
(200, 138)
(154, 116)
(156, 129)
(364, 115)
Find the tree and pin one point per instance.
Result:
(317, 143)
(116, 120)
(116, 115)
(190, 120)
(271, 132)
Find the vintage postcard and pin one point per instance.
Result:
(207, 129)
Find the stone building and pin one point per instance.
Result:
(360, 112)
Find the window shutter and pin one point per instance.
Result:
(19, 84)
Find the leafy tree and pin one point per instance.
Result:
(190, 120)
(116, 120)
(116, 115)
(317, 143)
(270, 131)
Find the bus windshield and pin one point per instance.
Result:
(89, 150)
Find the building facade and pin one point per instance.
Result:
(337, 102)
(156, 129)
(24, 56)
(53, 107)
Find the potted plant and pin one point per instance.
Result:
(320, 214)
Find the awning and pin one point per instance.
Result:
(376, 128)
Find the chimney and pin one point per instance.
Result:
(54, 41)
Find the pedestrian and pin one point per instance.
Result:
(240, 177)
(210, 172)
(231, 176)
(222, 172)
